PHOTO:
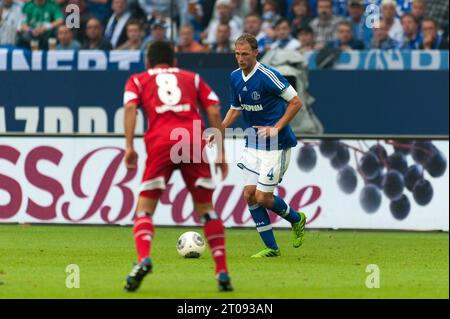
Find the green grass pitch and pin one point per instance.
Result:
(330, 264)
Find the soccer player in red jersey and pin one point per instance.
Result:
(169, 97)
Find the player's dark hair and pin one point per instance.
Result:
(250, 39)
(160, 52)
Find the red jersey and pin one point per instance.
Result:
(170, 98)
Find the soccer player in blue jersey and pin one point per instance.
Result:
(268, 103)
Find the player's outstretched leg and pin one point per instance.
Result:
(137, 274)
(297, 219)
(262, 221)
(215, 235)
(298, 230)
(279, 206)
(143, 234)
(264, 228)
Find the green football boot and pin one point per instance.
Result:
(298, 230)
(267, 252)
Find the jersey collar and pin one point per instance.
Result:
(246, 78)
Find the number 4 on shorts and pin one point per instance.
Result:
(270, 174)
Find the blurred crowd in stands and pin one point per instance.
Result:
(214, 25)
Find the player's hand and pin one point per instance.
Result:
(266, 131)
(221, 163)
(211, 140)
(130, 159)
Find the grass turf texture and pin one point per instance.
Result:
(330, 264)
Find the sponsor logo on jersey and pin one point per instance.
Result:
(252, 108)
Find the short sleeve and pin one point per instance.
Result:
(206, 95)
(288, 94)
(275, 82)
(235, 104)
(132, 93)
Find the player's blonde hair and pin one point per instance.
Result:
(248, 38)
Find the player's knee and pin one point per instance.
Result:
(147, 202)
(203, 208)
(249, 197)
(148, 195)
(263, 199)
(202, 195)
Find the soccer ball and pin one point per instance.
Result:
(191, 245)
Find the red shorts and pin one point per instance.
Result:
(159, 167)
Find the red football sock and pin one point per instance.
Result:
(143, 235)
(215, 235)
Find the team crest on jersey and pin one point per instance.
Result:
(255, 95)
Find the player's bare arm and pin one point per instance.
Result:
(215, 120)
(131, 155)
(293, 107)
(231, 116)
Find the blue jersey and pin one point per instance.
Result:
(261, 97)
